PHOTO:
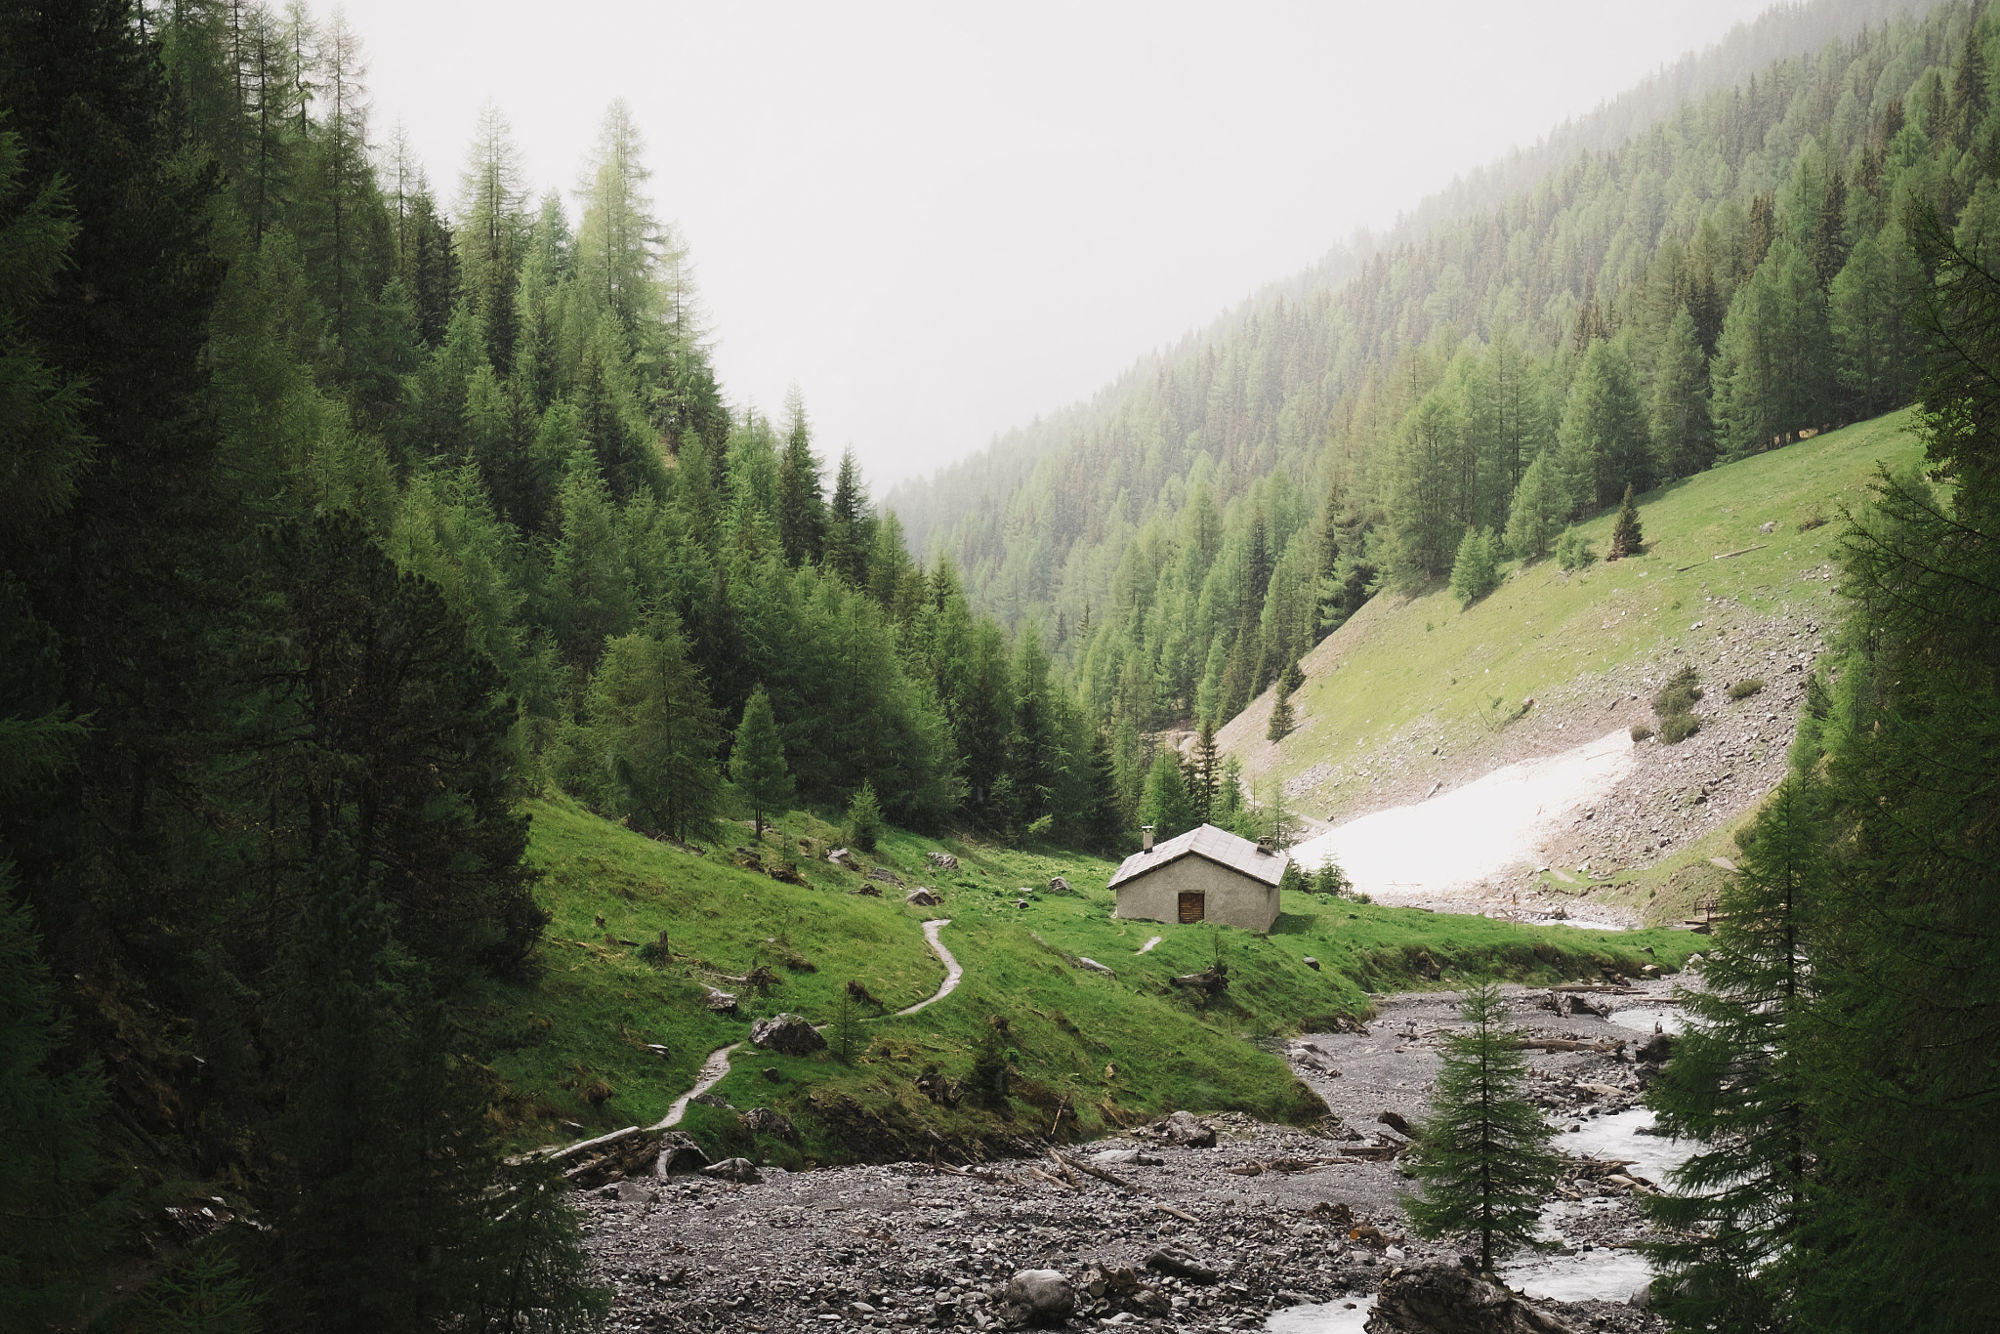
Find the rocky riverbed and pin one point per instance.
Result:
(1195, 1223)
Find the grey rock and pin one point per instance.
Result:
(631, 1192)
(922, 897)
(1058, 885)
(764, 1121)
(1042, 1297)
(740, 1170)
(787, 1034)
(1188, 1129)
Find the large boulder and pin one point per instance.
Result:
(923, 897)
(1185, 1128)
(740, 1170)
(1041, 1297)
(787, 1034)
(1441, 1299)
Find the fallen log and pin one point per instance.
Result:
(1726, 555)
(1088, 1169)
(1566, 1044)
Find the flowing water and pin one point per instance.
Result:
(1600, 1273)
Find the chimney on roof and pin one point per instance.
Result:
(1266, 846)
(1146, 838)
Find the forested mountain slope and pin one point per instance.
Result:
(1734, 274)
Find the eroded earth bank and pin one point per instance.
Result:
(1193, 1223)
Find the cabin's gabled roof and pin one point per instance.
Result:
(1216, 845)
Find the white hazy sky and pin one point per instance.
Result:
(942, 219)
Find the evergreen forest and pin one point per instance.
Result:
(351, 513)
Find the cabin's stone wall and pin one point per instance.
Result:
(1233, 899)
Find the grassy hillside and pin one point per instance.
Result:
(1090, 1050)
(1439, 689)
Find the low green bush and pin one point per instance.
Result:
(1678, 727)
(1745, 689)
(1641, 732)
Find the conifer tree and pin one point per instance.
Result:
(1627, 539)
(848, 539)
(1203, 773)
(801, 510)
(1282, 721)
(757, 760)
(1164, 804)
(1538, 510)
(863, 825)
(1603, 440)
(1683, 437)
(1734, 1087)
(1476, 572)
(1483, 1156)
(653, 734)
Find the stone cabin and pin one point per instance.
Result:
(1204, 875)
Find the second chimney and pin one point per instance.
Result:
(1146, 838)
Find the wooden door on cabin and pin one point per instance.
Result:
(1194, 907)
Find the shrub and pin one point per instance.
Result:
(1572, 552)
(1331, 881)
(863, 826)
(1678, 727)
(1678, 694)
(1640, 732)
(1745, 689)
(1814, 518)
(1293, 879)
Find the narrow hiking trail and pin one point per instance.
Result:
(952, 971)
(716, 1068)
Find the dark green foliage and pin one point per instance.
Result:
(1483, 1157)
(1604, 446)
(652, 735)
(1641, 732)
(1204, 773)
(1745, 689)
(59, 1214)
(843, 1033)
(1476, 571)
(1282, 722)
(1734, 1087)
(1292, 879)
(1573, 553)
(1330, 881)
(1164, 804)
(863, 825)
(1627, 538)
(992, 1070)
(1678, 727)
(757, 759)
(801, 509)
(1679, 693)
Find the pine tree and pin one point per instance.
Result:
(1626, 537)
(1683, 436)
(1104, 822)
(1476, 571)
(863, 825)
(653, 733)
(1537, 511)
(848, 536)
(801, 511)
(1483, 1156)
(1164, 804)
(1603, 441)
(757, 760)
(1734, 1087)
(1204, 774)
(1282, 721)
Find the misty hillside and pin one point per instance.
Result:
(1628, 310)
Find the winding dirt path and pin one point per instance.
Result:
(713, 1071)
(716, 1068)
(952, 971)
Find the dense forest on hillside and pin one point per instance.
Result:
(343, 516)
(1737, 273)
